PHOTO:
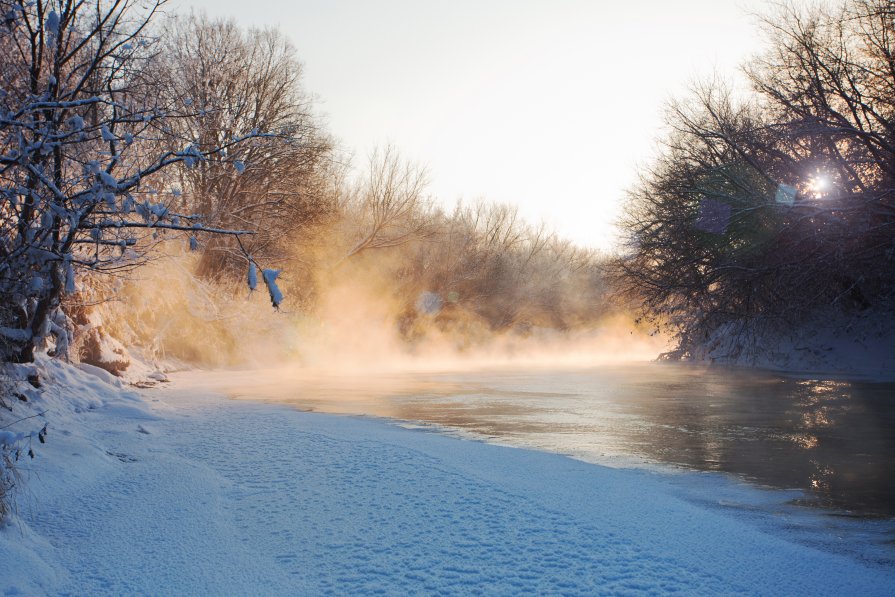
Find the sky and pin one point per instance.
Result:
(552, 105)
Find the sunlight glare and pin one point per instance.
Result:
(820, 185)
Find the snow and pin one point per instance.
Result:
(15, 333)
(854, 346)
(102, 374)
(107, 179)
(107, 134)
(181, 491)
(51, 24)
(252, 276)
(70, 285)
(77, 123)
(270, 280)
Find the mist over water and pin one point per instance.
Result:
(589, 391)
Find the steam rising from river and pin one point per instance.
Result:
(354, 328)
(356, 331)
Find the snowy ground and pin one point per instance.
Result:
(855, 346)
(184, 492)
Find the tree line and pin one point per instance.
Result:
(116, 134)
(124, 130)
(771, 207)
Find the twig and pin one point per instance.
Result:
(25, 419)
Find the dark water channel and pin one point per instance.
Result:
(833, 439)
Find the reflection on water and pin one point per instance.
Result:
(833, 439)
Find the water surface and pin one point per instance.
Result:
(832, 439)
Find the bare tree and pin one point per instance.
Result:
(237, 82)
(78, 156)
(491, 268)
(389, 204)
(762, 211)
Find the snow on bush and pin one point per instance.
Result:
(82, 185)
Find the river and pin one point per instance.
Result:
(832, 439)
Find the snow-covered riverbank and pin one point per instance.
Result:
(851, 346)
(181, 491)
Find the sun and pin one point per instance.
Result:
(819, 185)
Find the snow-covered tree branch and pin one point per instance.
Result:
(84, 140)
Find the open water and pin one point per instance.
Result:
(832, 439)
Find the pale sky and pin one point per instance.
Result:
(548, 104)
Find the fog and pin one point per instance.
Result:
(357, 330)
(357, 323)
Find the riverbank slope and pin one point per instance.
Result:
(180, 491)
